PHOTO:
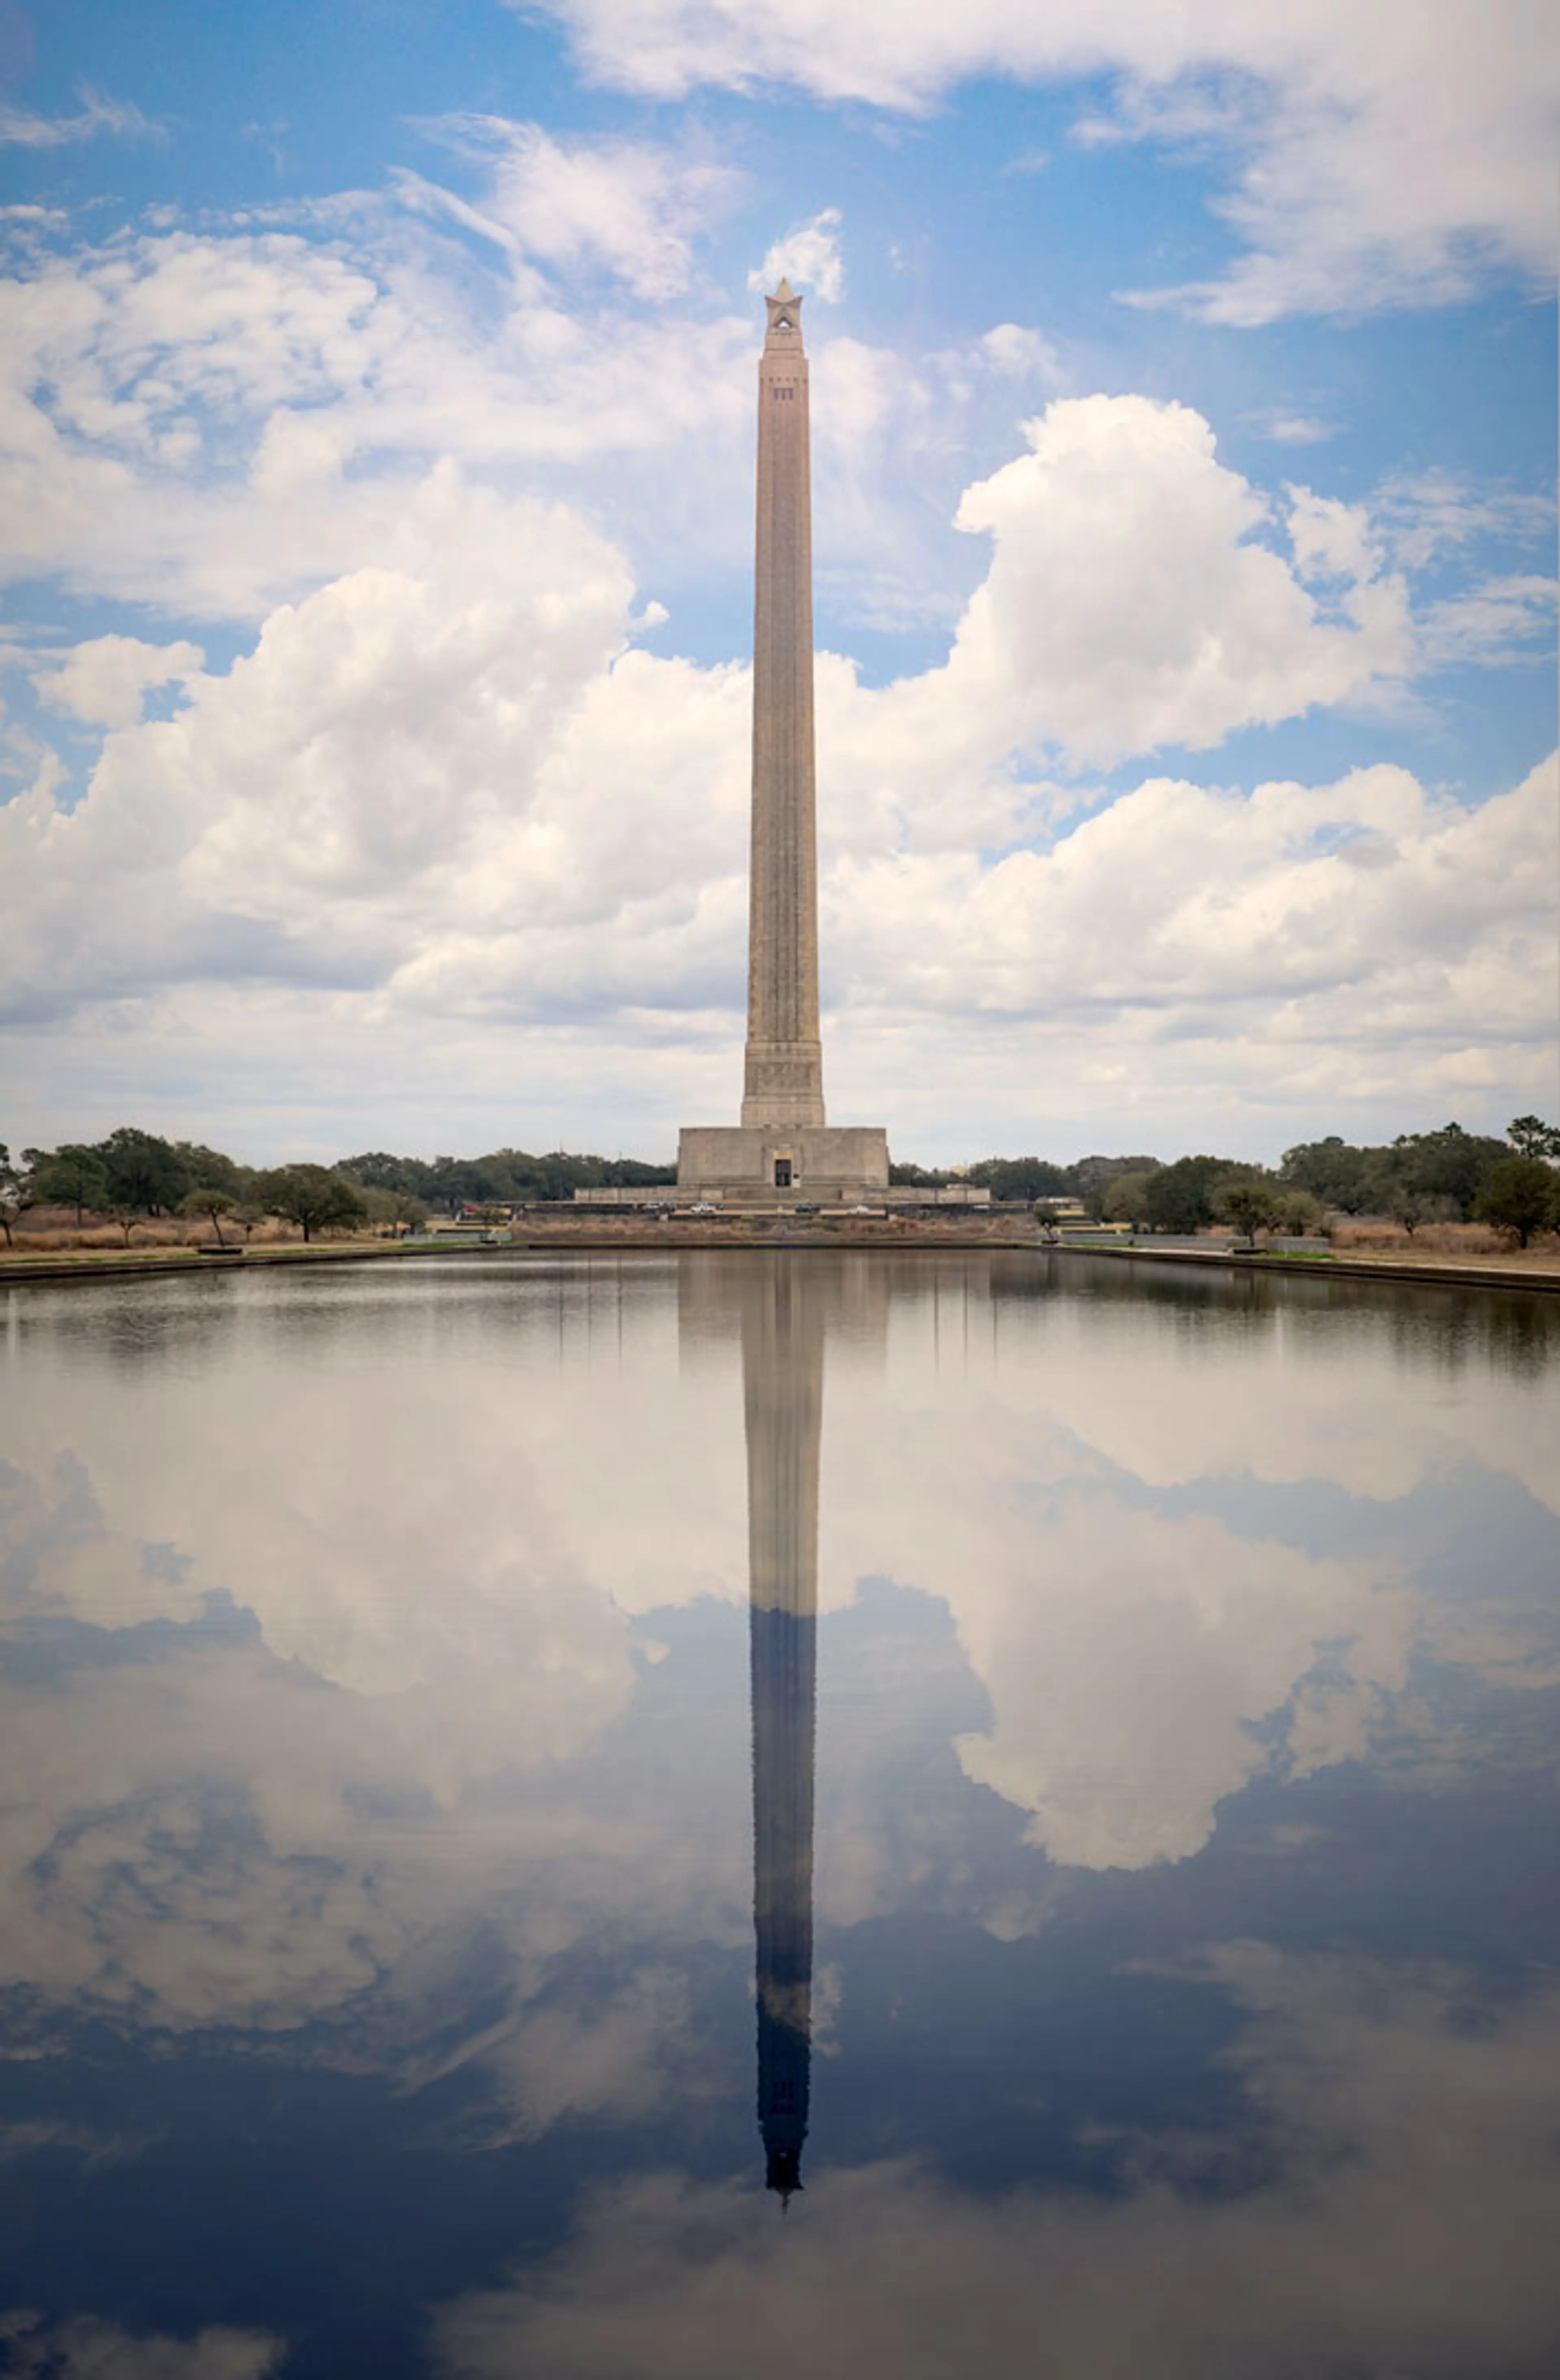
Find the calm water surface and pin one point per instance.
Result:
(782, 1815)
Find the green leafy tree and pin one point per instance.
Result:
(1180, 1196)
(457, 1182)
(1126, 1200)
(1449, 1164)
(1519, 1194)
(1407, 1207)
(1089, 1172)
(73, 1176)
(392, 1210)
(635, 1174)
(1301, 1215)
(1020, 1180)
(1333, 1170)
(208, 1168)
(379, 1206)
(378, 1170)
(1249, 1202)
(314, 1197)
(1531, 1137)
(143, 1171)
(554, 1178)
(1391, 1189)
(211, 1203)
(506, 1176)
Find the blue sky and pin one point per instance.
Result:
(377, 429)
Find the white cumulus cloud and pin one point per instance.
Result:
(1381, 156)
(104, 680)
(1131, 605)
(448, 786)
(808, 256)
(442, 784)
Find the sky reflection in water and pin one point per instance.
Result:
(1156, 1972)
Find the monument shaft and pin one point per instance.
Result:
(783, 1078)
(783, 1146)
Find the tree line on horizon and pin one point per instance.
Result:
(1448, 1175)
(1445, 1175)
(134, 1176)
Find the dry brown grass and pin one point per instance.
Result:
(1454, 1243)
(1446, 1239)
(53, 1231)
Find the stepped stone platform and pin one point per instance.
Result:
(750, 1226)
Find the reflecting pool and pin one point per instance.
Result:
(792, 1813)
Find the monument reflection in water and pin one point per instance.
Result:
(782, 1385)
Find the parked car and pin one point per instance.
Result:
(804, 1207)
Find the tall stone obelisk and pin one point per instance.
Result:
(783, 1146)
(783, 1076)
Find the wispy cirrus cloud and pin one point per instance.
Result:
(1427, 517)
(98, 114)
(632, 208)
(1283, 428)
(1502, 621)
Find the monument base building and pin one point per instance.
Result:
(774, 1165)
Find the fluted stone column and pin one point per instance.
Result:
(784, 1080)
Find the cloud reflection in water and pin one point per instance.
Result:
(375, 1700)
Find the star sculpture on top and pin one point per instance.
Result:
(785, 308)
